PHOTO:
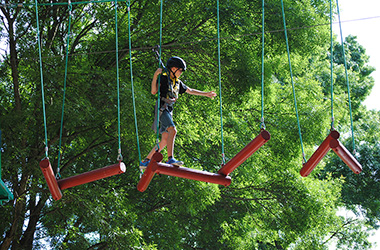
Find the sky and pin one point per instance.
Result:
(362, 19)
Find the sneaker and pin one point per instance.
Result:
(174, 162)
(144, 163)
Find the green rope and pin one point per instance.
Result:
(262, 125)
(42, 80)
(347, 80)
(220, 84)
(119, 157)
(291, 76)
(331, 66)
(159, 81)
(58, 175)
(132, 87)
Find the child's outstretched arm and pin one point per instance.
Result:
(154, 87)
(210, 94)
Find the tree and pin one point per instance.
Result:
(268, 204)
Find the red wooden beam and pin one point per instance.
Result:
(192, 174)
(318, 154)
(245, 153)
(346, 156)
(148, 173)
(50, 179)
(91, 176)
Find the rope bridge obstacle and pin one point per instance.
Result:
(156, 167)
(331, 142)
(57, 185)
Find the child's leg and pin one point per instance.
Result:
(172, 131)
(162, 145)
(168, 126)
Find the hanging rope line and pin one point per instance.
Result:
(119, 157)
(347, 80)
(42, 81)
(131, 70)
(58, 175)
(158, 83)
(262, 125)
(291, 76)
(331, 69)
(220, 84)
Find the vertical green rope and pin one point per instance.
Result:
(64, 92)
(331, 66)
(42, 80)
(132, 87)
(159, 81)
(291, 76)
(347, 80)
(220, 84)
(119, 157)
(262, 125)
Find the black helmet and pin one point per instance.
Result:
(177, 62)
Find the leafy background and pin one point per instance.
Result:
(267, 206)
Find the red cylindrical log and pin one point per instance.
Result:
(192, 174)
(346, 156)
(245, 153)
(318, 154)
(91, 176)
(50, 179)
(148, 173)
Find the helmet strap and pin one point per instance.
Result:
(170, 69)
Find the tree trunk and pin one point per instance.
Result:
(35, 210)
(13, 58)
(15, 231)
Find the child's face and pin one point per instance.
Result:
(177, 72)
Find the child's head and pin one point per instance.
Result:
(176, 65)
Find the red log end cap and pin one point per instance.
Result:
(359, 170)
(304, 171)
(123, 168)
(157, 157)
(265, 134)
(334, 134)
(334, 143)
(227, 181)
(45, 163)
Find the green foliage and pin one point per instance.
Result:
(358, 70)
(267, 206)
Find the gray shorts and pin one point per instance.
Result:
(166, 121)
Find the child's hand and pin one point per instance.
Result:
(211, 94)
(158, 71)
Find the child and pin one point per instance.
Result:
(170, 88)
